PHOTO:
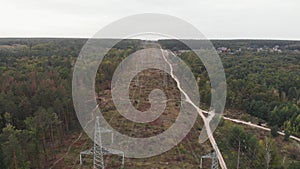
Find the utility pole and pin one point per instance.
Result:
(238, 159)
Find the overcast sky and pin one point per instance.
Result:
(216, 19)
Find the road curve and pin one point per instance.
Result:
(258, 126)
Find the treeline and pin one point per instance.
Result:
(186, 44)
(18, 48)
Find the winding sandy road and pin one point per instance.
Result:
(258, 126)
(201, 112)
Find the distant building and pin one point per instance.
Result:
(259, 49)
(262, 50)
(276, 49)
(223, 50)
(297, 51)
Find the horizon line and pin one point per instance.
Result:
(70, 37)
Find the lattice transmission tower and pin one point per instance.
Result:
(137, 69)
(214, 160)
(98, 151)
(165, 75)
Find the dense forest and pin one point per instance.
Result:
(263, 84)
(36, 109)
(36, 98)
